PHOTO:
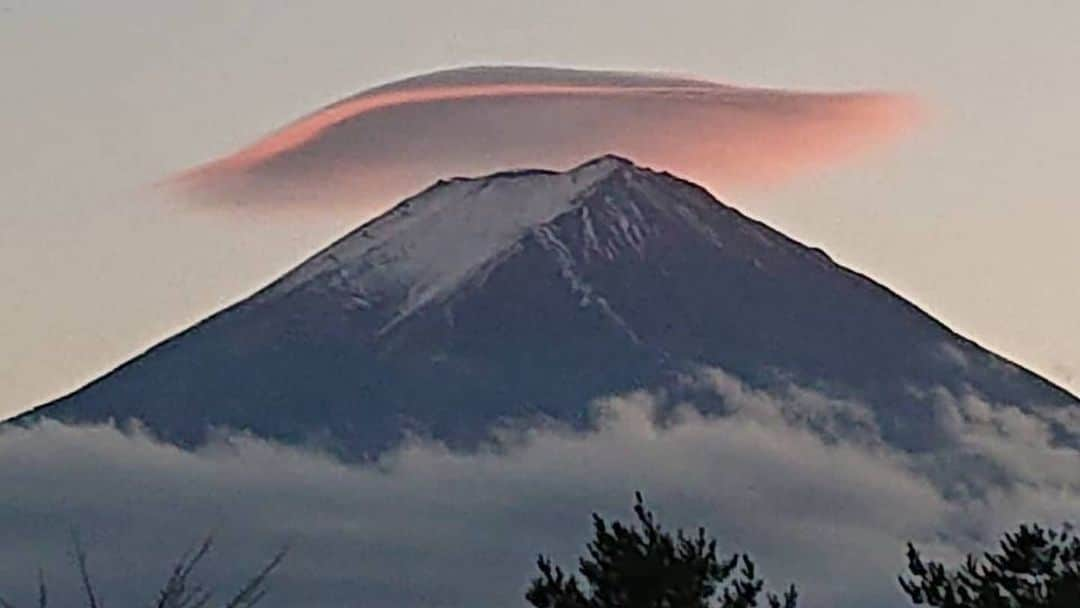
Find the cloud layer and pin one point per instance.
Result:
(400, 137)
(803, 483)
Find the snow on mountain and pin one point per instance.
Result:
(431, 242)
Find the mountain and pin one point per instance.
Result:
(528, 294)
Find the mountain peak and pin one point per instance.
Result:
(609, 162)
(432, 241)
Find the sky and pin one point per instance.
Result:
(970, 212)
(970, 215)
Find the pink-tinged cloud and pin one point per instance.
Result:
(400, 137)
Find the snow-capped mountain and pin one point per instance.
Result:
(531, 293)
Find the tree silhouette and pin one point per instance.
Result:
(1034, 568)
(179, 590)
(647, 567)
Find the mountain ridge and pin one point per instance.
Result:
(350, 361)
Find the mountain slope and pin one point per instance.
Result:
(529, 294)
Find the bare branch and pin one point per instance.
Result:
(43, 594)
(177, 592)
(254, 590)
(84, 572)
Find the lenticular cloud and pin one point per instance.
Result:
(396, 138)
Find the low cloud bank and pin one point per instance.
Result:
(802, 482)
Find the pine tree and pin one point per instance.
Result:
(1034, 568)
(647, 567)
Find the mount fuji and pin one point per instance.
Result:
(529, 294)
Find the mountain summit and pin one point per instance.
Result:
(531, 293)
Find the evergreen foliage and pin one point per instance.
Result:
(644, 566)
(1034, 567)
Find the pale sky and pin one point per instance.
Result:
(973, 216)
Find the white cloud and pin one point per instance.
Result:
(789, 477)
